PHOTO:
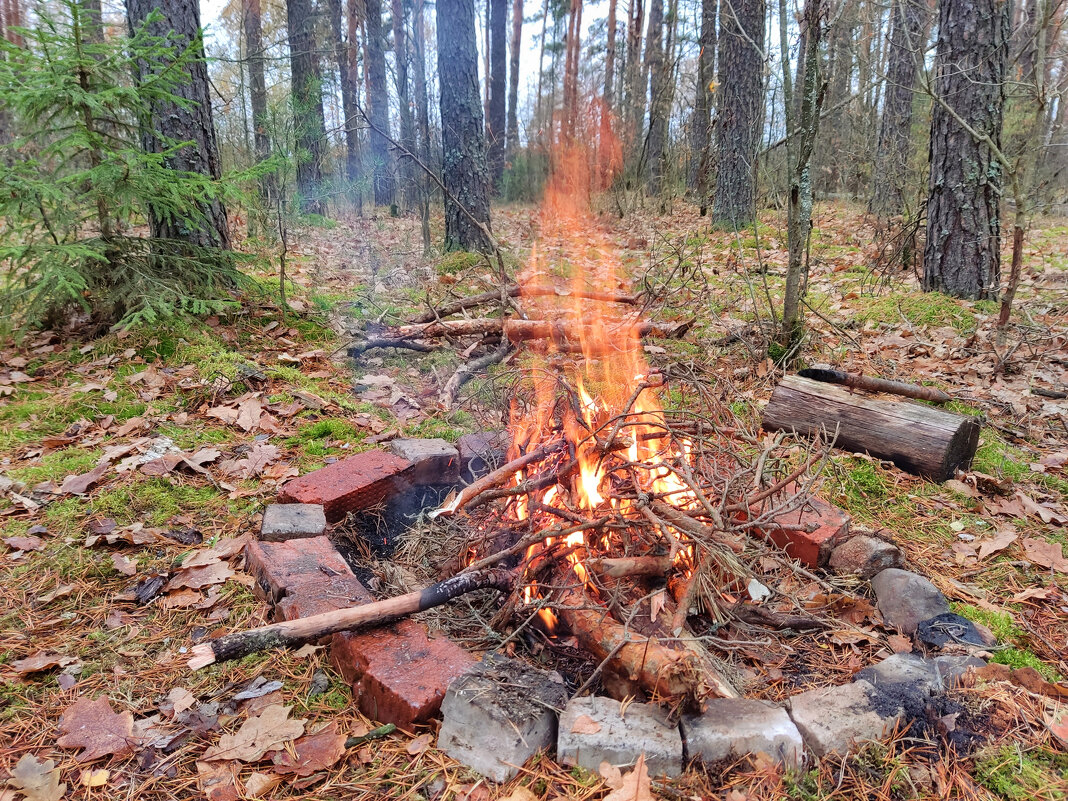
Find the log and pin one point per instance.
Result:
(514, 291)
(292, 633)
(919, 439)
(871, 384)
(517, 330)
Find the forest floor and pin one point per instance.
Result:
(94, 507)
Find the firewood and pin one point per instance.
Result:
(623, 566)
(919, 439)
(292, 633)
(514, 291)
(517, 330)
(857, 381)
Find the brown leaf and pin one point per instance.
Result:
(37, 779)
(520, 794)
(1030, 679)
(41, 661)
(96, 728)
(1058, 725)
(182, 599)
(899, 644)
(1002, 539)
(216, 781)
(226, 414)
(1044, 512)
(584, 724)
(635, 785)
(259, 784)
(224, 549)
(79, 485)
(266, 732)
(25, 543)
(419, 744)
(312, 753)
(197, 577)
(124, 565)
(161, 466)
(1046, 554)
(248, 413)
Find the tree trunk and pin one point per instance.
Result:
(174, 123)
(257, 81)
(92, 21)
(962, 255)
(463, 143)
(610, 58)
(654, 61)
(702, 107)
(12, 20)
(908, 36)
(409, 189)
(633, 88)
(496, 110)
(738, 110)
(571, 68)
(309, 125)
(422, 113)
(512, 133)
(378, 102)
(349, 90)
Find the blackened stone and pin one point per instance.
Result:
(941, 630)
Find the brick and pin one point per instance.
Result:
(731, 728)
(813, 548)
(316, 595)
(433, 461)
(292, 521)
(279, 566)
(498, 715)
(398, 674)
(832, 719)
(350, 485)
(593, 730)
(865, 556)
(481, 452)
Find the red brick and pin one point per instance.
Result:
(280, 566)
(398, 674)
(316, 595)
(350, 485)
(813, 548)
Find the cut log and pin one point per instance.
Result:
(919, 439)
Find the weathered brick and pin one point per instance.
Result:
(813, 548)
(398, 674)
(292, 521)
(316, 595)
(280, 566)
(481, 452)
(353, 484)
(433, 461)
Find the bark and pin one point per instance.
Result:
(497, 78)
(702, 107)
(908, 35)
(872, 384)
(422, 114)
(658, 110)
(738, 110)
(610, 58)
(833, 151)
(571, 68)
(378, 103)
(962, 254)
(13, 19)
(309, 125)
(192, 124)
(633, 88)
(409, 188)
(92, 21)
(464, 172)
(512, 132)
(344, 47)
(257, 81)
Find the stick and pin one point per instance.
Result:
(514, 291)
(683, 522)
(857, 381)
(467, 371)
(518, 330)
(623, 566)
(291, 633)
(498, 476)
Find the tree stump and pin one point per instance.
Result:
(919, 439)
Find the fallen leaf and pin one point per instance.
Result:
(25, 543)
(266, 732)
(37, 779)
(248, 413)
(178, 700)
(656, 605)
(312, 752)
(1045, 513)
(419, 744)
(520, 794)
(95, 778)
(96, 728)
(899, 644)
(635, 785)
(224, 549)
(1001, 540)
(58, 592)
(1045, 554)
(1036, 593)
(1058, 725)
(79, 485)
(584, 724)
(124, 565)
(613, 776)
(259, 784)
(197, 577)
(41, 661)
(216, 781)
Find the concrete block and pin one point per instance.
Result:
(350, 485)
(832, 720)
(593, 730)
(433, 461)
(499, 714)
(734, 727)
(481, 452)
(292, 521)
(906, 599)
(865, 556)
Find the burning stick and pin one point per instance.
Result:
(623, 566)
(514, 291)
(291, 633)
(517, 330)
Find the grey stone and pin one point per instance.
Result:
(735, 727)
(866, 556)
(292, 521)
(832, 719)
(593, 731)
(499, 714)
(906, 599)
(951, 667)
(434, 461)
(481, 452)
(903, 670)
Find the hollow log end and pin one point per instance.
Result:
(203, 655)
(961, 449)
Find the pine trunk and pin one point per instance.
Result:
(309, 125)
(512, 134)
(422, 114)
(464, 171)
(610, 58)
(702, 106)
(496, 111)
(349, 94)
(908, 35)
(409, 190)
(174, 123)
(658, 111)
(378, 101)
(738, 110)
(633, 88)
(571, 67)
(962, 255)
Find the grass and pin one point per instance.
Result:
(1015, 774)
(920, 309)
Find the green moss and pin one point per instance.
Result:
(863, 483)
(1016, 775)
(332, 428)
(57, 465)
(1019, 657)
(458, 261)
(997, 458)
(1000, 624)
(449, 428)
(920, 308)
(156, 501)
